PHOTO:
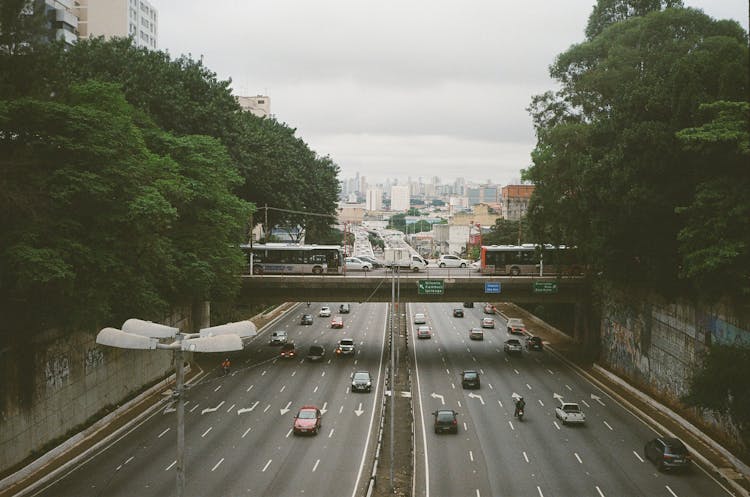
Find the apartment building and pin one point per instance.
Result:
(514, 200)
(109, 18)
(374, 199)
(259, 105)
(400, 198)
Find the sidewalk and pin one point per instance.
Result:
(716, 460)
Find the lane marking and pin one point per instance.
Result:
(267, 408)
(491, 387)
(466, 428)
(670, 490)
(499, 402)
(194, 407)
(263, 373)
(601, 494)
(541, 403)
(282, 389)
(341, 409)
(294, 372)
(247, 409)
(525, 456)
(230, 409)
(471, 456)
(578, 457)
(163, 433)
(289, 433)
(266, 466)
(610, 428)
(217, 464)
(516, 371)
(539, 489)
(206, 432)
(459, 403)
(550, 371)
(212, 409)
(585, 403)
(315, 389)
(556, 425)
(249, 388)
(528, 386)
(638, 456)
(323, 373)
(316, 465)
(568, 387)
(246, 432)
(170, 466)
(511, 424)
(217, 388)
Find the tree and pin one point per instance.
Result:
(608, 167)
(504, 232)
(22, 26)
(608, 12)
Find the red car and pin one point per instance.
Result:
(307, 421)
(337, 322)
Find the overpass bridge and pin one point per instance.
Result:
(376, 287)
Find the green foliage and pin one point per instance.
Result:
(21, 27)
(506, 232)
(609, 168)
(719, 386)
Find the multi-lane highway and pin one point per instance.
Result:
(494, 454)
(239, 428)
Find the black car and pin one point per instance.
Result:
(344, 309)
(316, 353)
(470, 379)
(306, 319)
(458, 312)
(469, 305)
(667, 453)
(534, 343)
(361, 381)
(446, 420)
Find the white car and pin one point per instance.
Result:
(325, 312)
(452, 261)
(419, 318)
(569, 412)
(356, 264)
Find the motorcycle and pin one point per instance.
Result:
(520, 414)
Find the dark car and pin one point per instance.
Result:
(288, 351)
(458, 312)
(534, 343)
(470, 379)
(306, 319)
(361, 382)
(446, 421)
(344, 308)
(667, 453)
(316, 353)
(469, 305)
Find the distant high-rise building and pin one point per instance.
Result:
(63, 19)
(374, 200)
(400, 198)
(135, 18)
(259, 105)
(515, 201)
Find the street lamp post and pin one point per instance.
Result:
(145, 335)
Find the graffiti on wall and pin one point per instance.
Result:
(724, 333)
(621, 346)
(93, 358)
(57, 371)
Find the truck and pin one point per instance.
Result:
(403, 258)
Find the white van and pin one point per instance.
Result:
(403, 259)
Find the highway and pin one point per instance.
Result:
(238, 428)
(494, 454)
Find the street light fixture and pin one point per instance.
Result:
(146, 335)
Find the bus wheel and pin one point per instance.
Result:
(257, 270)
(317, 270)
(514, 271)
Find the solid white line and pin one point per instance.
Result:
(638, 456)
(206, 432)
(218, 464)
(266, 466)
(525, 456)
(163, 433)
(578, 457)
(170, 466)
(246, 432)
(600, 491)
(424, 432)
(608, 426)
(670, 491)
(316, 465)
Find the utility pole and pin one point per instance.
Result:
(266, 232)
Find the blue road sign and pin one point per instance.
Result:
(491, 287)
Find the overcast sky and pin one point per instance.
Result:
(395, 88)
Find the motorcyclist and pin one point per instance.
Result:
(520, 404)
(225, 365)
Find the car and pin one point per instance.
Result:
(469, 305)
(458, 312)
(451, 261)
(513, 346)
(489, 309)
(470, 379)
(316, 353)
(344, 309)
(534, 343)
(419, 318)
(476, 266)
(667, 453)
(288, 351)
(361, 381)
(570, 412)
(337, 322)
(307, 421)
(376, 264)
(325, 312)
(345, 347)
(516, 327)
(356, 264)
(424, 331)
(488, 323)
(476, 334)
(446, 421)
(279, 337)
(306, 319)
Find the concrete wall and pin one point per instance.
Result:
(63, 380)
(657, 346)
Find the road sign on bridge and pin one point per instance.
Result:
(491, 287)
(545, 287)
(431, 287)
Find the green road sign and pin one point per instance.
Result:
(431, 287)
(545, 287)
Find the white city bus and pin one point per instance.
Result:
(289, 258)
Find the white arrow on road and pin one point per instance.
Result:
(324, 410)
(598, 399)
(476, 396)
(247, 409)
(286, 409)
(212, 409)
(438, 396)
(359, 410)
(557, 396)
